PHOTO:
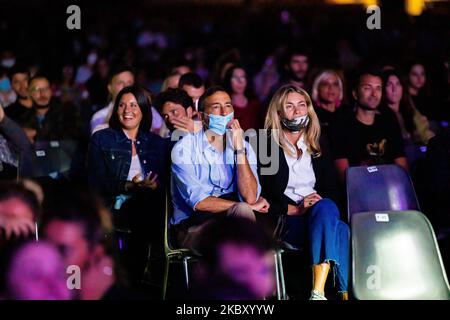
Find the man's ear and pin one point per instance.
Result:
(110, 88)
(355, 95)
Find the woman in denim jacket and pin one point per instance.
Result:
(126, 164)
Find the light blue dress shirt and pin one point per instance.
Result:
(200, 171)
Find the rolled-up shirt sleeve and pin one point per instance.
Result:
(190, 187)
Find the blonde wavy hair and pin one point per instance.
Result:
(273, 120)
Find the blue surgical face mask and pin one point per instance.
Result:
(5, 85)
(218, 124)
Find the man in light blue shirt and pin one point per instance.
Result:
(213, 171)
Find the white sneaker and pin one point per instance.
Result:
(316, 295)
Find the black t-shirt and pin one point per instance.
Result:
(16, 111)
(362, 144)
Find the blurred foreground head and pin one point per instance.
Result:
(36, 272)
(237, 260)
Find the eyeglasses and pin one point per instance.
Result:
(42, 90)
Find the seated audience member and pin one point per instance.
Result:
(126, 164)
(36, 272)
(19, 210)
(294, 191)
(413, 125)
(237, 261)
(418, 87)
(53, 121)
(14, 148)
(213, 172)
(327, 95)
(193, 84)
(7, 94)
(177, 110)
(365, 136)
(19, 77)
(80, 227)
(171, 81)
(119, 78)
(246, 105)
(295, 69)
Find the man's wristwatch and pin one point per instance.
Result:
(240, 151)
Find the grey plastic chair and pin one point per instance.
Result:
(383, 187)
(396, 257)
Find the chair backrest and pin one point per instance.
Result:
(395, 256)
(50, 157)
(379, 188)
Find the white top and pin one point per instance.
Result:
(135, 168)
(301, 173)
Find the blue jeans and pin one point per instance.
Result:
(327, 237)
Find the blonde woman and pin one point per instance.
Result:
(327, 95)
(304, 175)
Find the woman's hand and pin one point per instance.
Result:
(261, 205)
(151, 181)
(307, 203)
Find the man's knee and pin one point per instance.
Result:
(241, 210)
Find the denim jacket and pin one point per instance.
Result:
(109, 160)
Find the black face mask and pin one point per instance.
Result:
(296, 124)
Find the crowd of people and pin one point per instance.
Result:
(94, 166)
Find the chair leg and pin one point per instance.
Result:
(277, 275)
(281, 272)
(186, 271)
(166, 278)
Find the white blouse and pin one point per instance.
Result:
(135, 168)
(301, 173)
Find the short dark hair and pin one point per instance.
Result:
(190, 79)
(16, 190)
(18, 68)
(363, 72)
(119, 69)
(177, 96)
(144, 101)
(39, 76)
(209, 92)
(239, 231)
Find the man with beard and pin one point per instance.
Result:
(365, 136)
(19, 77)
(48, 117)
(295, 70)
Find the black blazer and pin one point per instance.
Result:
(273, 186)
